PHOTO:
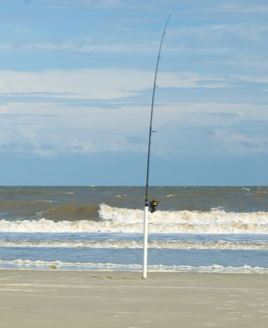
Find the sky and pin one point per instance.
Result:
(76, 85)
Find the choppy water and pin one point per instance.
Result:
(195, 229)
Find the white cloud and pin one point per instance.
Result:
(48, 129)
(209, 114)
(95, 83)
(75, 3)
(254, 78)
(7, 46)
(85, 45)
(241, 143)
(3, 109)
(182, 39)
(217, 128)
(226, 36)
(241, 7)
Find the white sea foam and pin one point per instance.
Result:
(114, 219)
(58, 265)
(170, 195)
(245, 188)
(135, 244)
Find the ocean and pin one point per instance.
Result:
(195, 229)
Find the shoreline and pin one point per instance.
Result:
(58, 266)
(32, 298)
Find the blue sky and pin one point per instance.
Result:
(75, 90)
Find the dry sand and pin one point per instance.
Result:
(113, 299)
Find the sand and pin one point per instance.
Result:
(113, 299)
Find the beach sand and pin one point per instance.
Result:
(118, 299)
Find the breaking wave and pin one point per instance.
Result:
(59, 265)
(133, 244)
(123, 220)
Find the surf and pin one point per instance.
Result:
(123, 220)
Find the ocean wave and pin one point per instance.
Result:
(133, 244)
(71, 212)
(214, 221)
(48, 209)
(59, 265)
(123, 220)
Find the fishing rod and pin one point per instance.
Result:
(150, 205)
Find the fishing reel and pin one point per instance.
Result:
(152, 204)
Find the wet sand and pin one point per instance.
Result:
(113, 299)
